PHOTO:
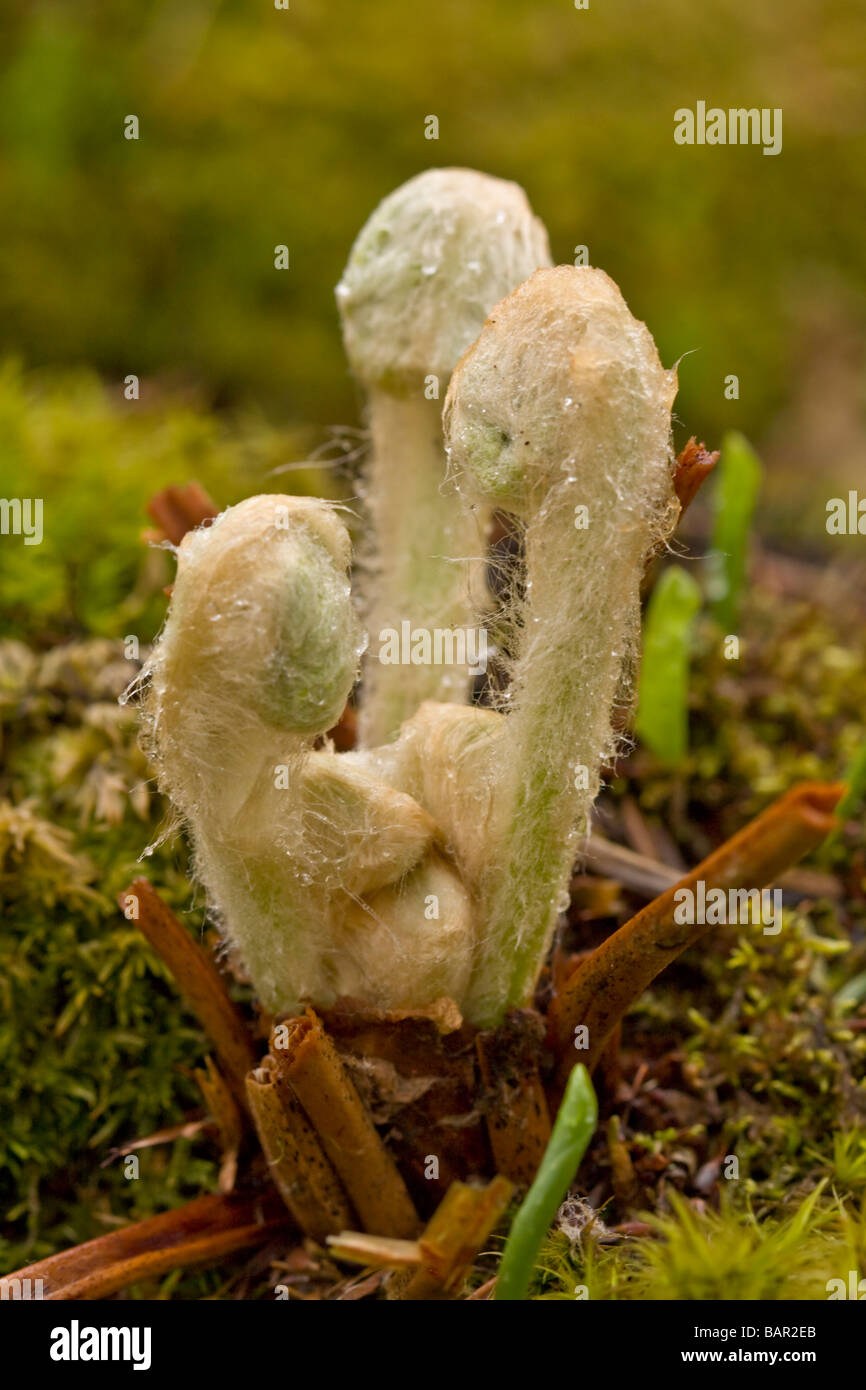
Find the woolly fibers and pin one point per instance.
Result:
(561, 405)
(431, 261)
(447, 753)
(313, 867)
(426, 268)
(435, 865)
(422, 928)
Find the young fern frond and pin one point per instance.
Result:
(314, 866)
(426, 268)
(560, 414)
(434, 864)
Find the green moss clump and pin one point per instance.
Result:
(95, 1045)
(96, 459)
(708, 1255)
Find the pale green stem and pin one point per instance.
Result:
(253, 863)
(575, 640)
(421, 541)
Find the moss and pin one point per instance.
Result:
(95, 459)
(707, 1255)
(95, 1045)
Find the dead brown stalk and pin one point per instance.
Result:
(296, 1160)
(309, 1062)
(606, 984)
(201, 1231)
(516, 1111)
(198, 979)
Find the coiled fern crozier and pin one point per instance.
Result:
(432, 860)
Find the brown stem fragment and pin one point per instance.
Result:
(376, 1252)
(435, 1265)
(612, 978)
(453, 1237)
(694, 465)
(516, 1114)
(296, 1160)
(649, 877)
(199, 1232)
(626, 1188)
(177, 510)
(307, 1059)
(416, 1071)
(198, 979)
(226, 1113)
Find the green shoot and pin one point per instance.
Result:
(855, 778)
(574, 1127)
(662, 720)
(736, 493)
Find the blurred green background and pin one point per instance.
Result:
(261, 127)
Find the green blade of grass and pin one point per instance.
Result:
(852, 993)
(736, 493)
(574, 1127)
(662, 714)
(855, 777)
(855, 780)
